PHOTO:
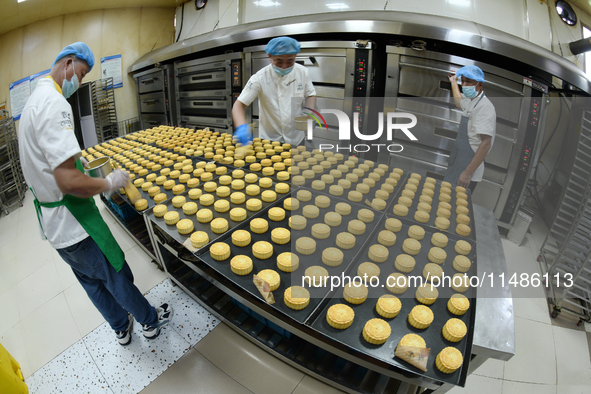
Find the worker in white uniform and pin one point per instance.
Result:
(476, 134)
(282, 88)
(66, 211)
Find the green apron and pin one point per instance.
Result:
(87, 214)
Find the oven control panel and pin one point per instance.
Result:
(361, 73)
(525, 159)
(236, 74)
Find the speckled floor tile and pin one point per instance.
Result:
(31, 384)
(73, 371)
(131, 368)
(190, 320)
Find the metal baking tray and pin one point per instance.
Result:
(318, 176)
(172, 230)
(296, 277)
(169, 193)
(432, 335)
(273, 177)
(287, 279)
(433, 214)
(371, 194)
(321, 244)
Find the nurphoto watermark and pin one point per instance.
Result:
(344, 130)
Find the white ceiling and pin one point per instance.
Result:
(13, 14)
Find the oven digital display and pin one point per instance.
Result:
(236, 77)
(361, 74)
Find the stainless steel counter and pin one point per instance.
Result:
(494, 332)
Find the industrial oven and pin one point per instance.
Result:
(342, 74)
(156, 98)
(417, 83)
(206, 89)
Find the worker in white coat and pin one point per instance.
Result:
(68, 216)
(476, 133)
(282, 88)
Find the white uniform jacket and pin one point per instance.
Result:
(46, 140)
(483, 120)
(280, 101)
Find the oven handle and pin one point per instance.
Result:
(520, 93)
(201, 77)
(148, 81)
(150, 102)
(307, 61)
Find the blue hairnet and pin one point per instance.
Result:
(471, 72)
(81, 50)
(282, 46)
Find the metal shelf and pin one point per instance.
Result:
(12, 181)
(566, 251)
(104, 110)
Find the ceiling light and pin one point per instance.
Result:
(266, 3)
(19, 1)
(461, 3)
(337, 6)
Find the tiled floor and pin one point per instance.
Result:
(64, 345)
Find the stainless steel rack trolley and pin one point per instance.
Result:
(12, 181)
(105, 115)
(566, 252)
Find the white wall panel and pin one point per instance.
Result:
(257, 10)
(199, 22)
(505, 15)
(539, 24)
(217, 14)
(229, 13)
(461, 9)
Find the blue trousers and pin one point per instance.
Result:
(112, 293)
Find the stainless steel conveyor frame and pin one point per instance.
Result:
(494, 335)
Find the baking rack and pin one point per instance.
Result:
(565, 255)
(12, 181)
(103, 109)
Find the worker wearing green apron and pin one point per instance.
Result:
(477, 129)
(63, 197)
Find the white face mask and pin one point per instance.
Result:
(69, 87)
